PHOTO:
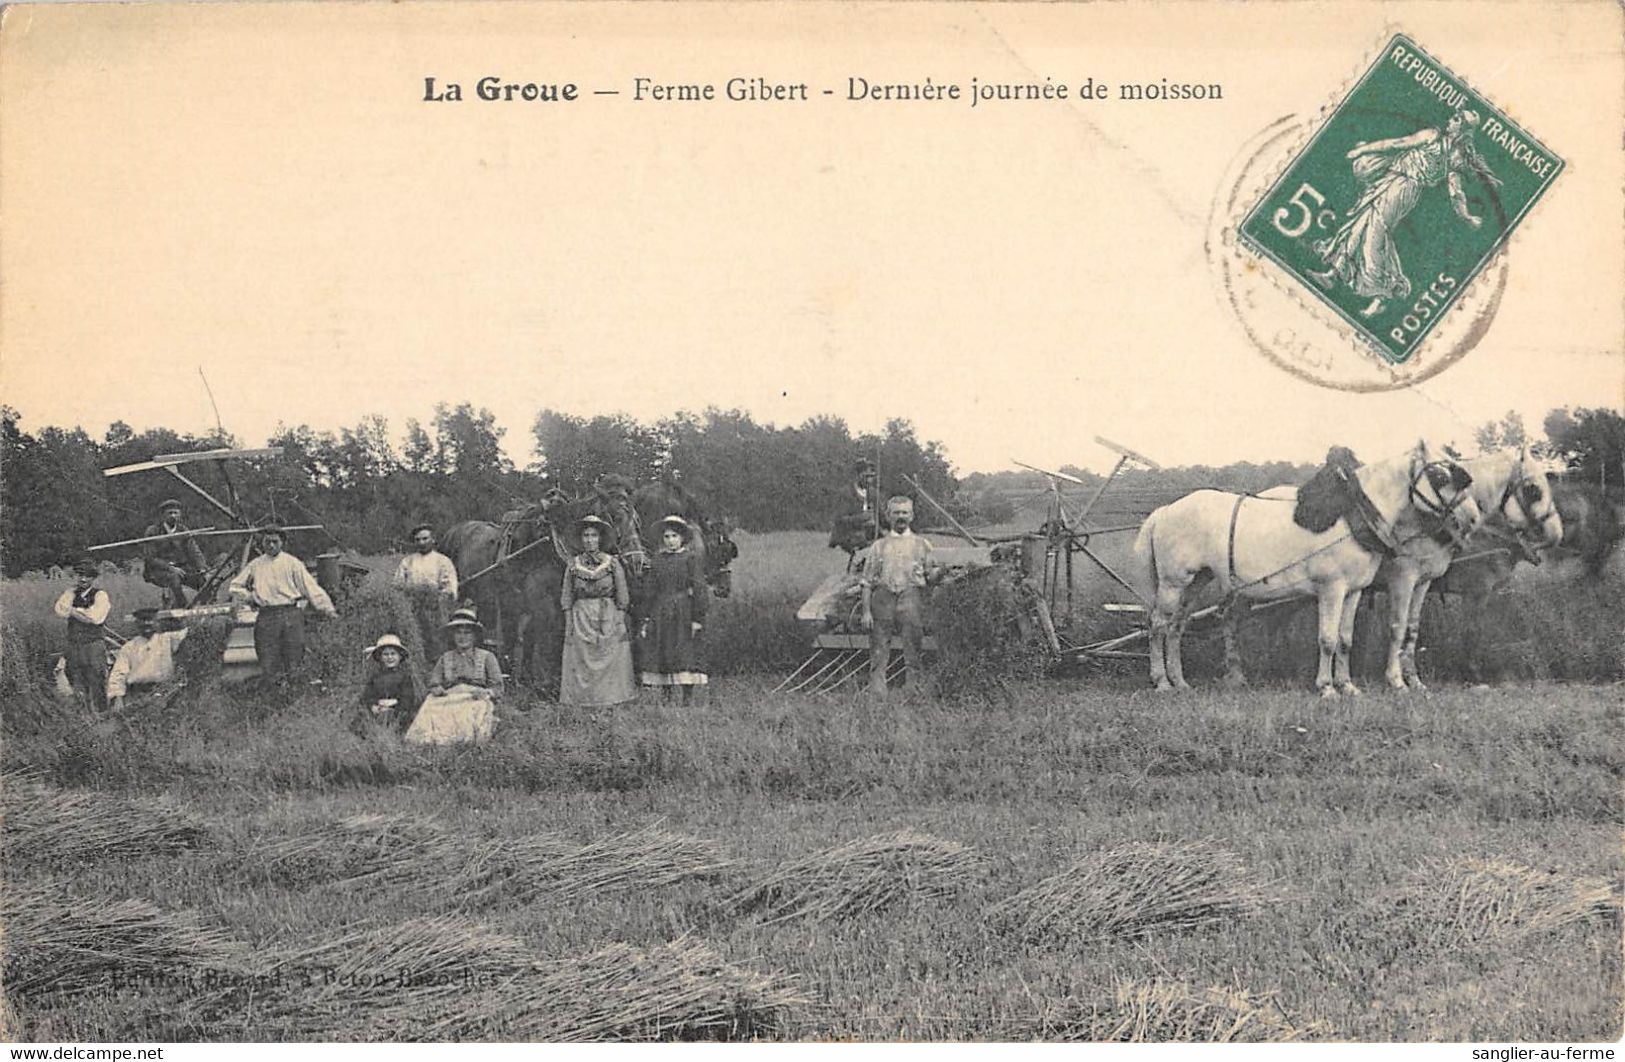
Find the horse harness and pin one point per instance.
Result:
(1367, 526)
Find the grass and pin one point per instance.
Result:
(1439, 866)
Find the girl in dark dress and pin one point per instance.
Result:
(672, 654)
(393, 694)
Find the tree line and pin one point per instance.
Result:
(368, 490)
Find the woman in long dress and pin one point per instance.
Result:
(671, 649)
(597, 666)
(1392, 175)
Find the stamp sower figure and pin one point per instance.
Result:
(597, 666)
(276, 582)
(466, 664)
(392, 695)
(1392, 175)
(146, 660)
(895, 576)
(671, 649)
(85, 607)
(174, 563)
(430, 581)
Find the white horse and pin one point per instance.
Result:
(1251, 548)
(1514, 496)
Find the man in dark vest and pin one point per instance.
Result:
(174, 563)
(85, 607)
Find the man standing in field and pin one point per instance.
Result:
(429, 580)
(175, 562)
(895, 576)
(276, 583)
(85, 607)
(146, 660)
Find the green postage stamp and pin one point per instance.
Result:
(1402, 197)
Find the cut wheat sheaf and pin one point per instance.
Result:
(861, 877)
(1174, 1012)
(1485, 900)
(417, 851)
(1134, 889)
(48, 825)
(451, 979)
(60, 944)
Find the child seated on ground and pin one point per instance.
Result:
(393, 694)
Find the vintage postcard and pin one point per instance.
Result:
(811, 522)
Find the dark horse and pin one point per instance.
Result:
(518, 599)
(656, 501)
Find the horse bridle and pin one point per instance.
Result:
(1441, 509)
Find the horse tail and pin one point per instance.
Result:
(1145, 546)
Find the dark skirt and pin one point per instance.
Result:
(670, 653)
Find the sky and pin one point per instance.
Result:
(263, 193)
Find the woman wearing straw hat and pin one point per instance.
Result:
(597, 665)
(466, 664)
(392, 695)
(465, 683)
(670, 649)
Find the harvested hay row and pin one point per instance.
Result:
(1170, 1012)
(682, 990)
(60, 944)
(48, 825)
(366, 849)
(428, 950)
(1133, 889)
(398, 851)
(466, 983)
(861, 877)
(546, 866)
(1482, 900)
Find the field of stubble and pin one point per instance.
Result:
(1079, 859)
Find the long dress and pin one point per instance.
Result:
(1362, 253)
(671, 653)
(597, 665)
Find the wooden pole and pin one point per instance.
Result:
(972, 539)
(488, 569)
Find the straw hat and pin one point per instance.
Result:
(678, 524)
(387, 641)
(464, 617)
(595, 521)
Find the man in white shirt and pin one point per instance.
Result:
(276, 583)
(146, 660)
(85, 607)
(895, 574)
(430, 581)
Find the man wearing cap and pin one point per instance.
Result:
(895, 575)
(85, 607)
(174, 562)
(146, 660)
(429, 579)
(276, 583)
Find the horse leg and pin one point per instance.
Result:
(1345, 646)
(1163, 611)
(1176, 660)
(1329, 597)
(1401, 588)
(1235, 609)
(1413, 634)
